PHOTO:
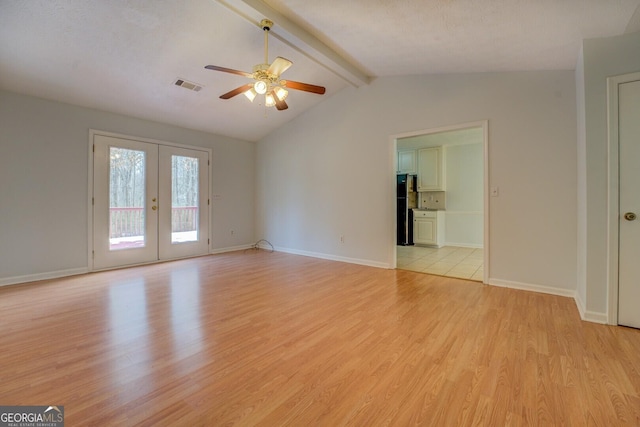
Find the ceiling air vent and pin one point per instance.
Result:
(188, 85)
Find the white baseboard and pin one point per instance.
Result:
(42, 276)
(580, 304)
(533, 288)
(329, 257)
(590, 316)
(230, 249)
(595, 317)
(465, 245)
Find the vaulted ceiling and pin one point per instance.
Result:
(124, 56)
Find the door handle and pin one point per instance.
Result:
(630, 216)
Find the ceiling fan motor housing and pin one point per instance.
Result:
(261, 72)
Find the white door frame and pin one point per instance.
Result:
(613, 210)
(92, 133)
(484, 124)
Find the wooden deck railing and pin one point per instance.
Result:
(184, 218)
(128, 221)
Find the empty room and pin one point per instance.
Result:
(245, 212)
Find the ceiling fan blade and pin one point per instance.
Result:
(279, 66)
(303, 86)
(237, 91)
(280, 104)
(228, 70)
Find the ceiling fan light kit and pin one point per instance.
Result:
(267, 78)
(269, 100)
(260, 87)
(281, 93)
(250, 94)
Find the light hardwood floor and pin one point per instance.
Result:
(273, 339)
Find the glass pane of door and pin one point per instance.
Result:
(126, 198)
(184, 199)
(125, 208)
(183, 210)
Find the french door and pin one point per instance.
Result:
(150, 202)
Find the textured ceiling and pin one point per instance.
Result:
(124, 55)
(400, 37)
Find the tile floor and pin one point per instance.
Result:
(464, 263)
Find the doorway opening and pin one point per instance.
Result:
(451, 216)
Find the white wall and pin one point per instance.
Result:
(330, 172)
(602, 58)
(44, 179)
(465, 195)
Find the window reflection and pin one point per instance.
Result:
(184, 199)
(185, 312)
(129, 329)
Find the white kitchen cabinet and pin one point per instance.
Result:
(431, 173)
(428, 228)
(407, 161)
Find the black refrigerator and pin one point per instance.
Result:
(406, 201)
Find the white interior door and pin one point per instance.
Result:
(184, 190)
(629, 225)
(125, 191)
(150, 202)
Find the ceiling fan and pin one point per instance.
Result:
(267, 78)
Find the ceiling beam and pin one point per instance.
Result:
(634, 23)
(295, 36)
